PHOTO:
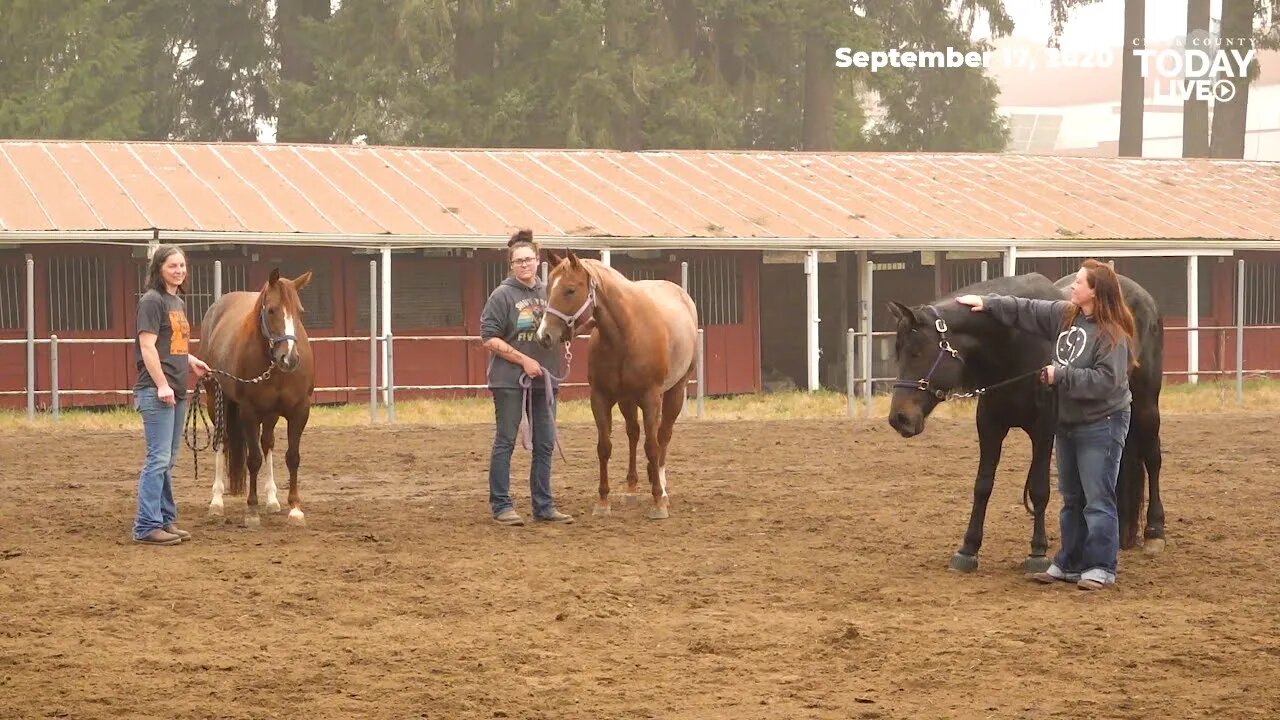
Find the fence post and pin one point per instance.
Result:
(53, 375)
(850, 381)
(373, 342)
(1193, 319)
(217, 280)
(1240, 332)
(984, 271)
(702, 367)
(867, 294)
(684, 284)
(391, 381)
(31, 338)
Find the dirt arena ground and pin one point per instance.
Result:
(802, 575)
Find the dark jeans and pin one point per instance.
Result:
(1088, 464)
(506, 404)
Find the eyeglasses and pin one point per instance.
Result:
(525, 261)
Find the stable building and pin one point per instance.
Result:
(782, 252)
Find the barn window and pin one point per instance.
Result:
(642, 271)
(424, 295)
(715, 284)
(13, 304)
(1261, 293)
(199, 285)
(79, 294)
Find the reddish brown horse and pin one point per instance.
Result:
(643, 348)
(258, 351)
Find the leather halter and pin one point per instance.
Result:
(272, 340)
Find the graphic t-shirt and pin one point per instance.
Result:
(166, 316)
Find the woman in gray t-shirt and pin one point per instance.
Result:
(160, 392)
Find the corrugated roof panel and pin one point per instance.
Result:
(366, 192)
(65, 204)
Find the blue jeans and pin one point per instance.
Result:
(1088, 465)
(506, 404)
(162, 430)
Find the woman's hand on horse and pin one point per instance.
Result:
(974, 301)
(165, 394)
(531, 367)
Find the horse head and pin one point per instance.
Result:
(570, 299)
(279, 310)
(929, 349)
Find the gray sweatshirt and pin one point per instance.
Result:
(512, 313)
(1092, 378)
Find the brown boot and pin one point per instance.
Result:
(158, 537)
(173, 530)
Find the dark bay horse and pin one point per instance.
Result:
(946, 348)
(643, 351)
(258, 350)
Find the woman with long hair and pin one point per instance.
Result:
(1094, 353)
(160, 392)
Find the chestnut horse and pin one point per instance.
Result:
(257, 349)
(642, 353)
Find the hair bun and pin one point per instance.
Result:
(521, 236)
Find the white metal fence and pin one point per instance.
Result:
(379, 384)
(860, 379)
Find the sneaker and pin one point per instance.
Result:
(173, 530)
(1096, 579)
(1055, 574)
(508, 517)
(158, 537)
(556, 517)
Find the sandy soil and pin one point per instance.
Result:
(802, 575)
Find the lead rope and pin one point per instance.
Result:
(526, 402)
(215, 436)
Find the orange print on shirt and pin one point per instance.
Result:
(181, 332)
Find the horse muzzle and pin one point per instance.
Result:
(907, 424)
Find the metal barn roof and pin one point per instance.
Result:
(377, 196)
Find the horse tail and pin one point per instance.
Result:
(236, 450)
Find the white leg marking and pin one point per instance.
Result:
(219, 483)
(662, 479)
(273, 503)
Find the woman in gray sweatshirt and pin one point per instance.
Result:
(507, 325)
(1094, 354)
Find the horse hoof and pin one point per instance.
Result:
(658, 513)
(1035, 564)
(296, 518)
(963, 563)
(630, 499)
(253, 522)
(215, 511)
(601, 511)
(273, 506)
(1153, 546)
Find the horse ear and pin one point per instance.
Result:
(573, 260)
(302, 280)
(552, 258)
(275, 276)
(903, 313)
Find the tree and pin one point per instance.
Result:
(935, 109)
(1132, 85)
(71, 69)
(1195, 113)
